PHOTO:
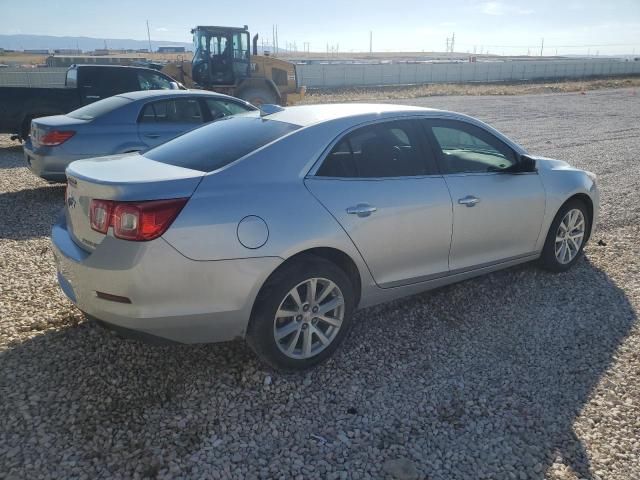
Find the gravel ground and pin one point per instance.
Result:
(519, 374)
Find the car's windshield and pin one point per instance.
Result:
(96, 109)
(221, 142)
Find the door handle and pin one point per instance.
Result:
(362, 210)
(469, 201)
(152, 135)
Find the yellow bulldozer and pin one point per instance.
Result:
(222, 61)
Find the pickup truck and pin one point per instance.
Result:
(84, 84)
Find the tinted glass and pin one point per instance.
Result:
(469, 149)
(390, 149)
(219, 143)
(183, 110)
(72, 78)
(153, 81)
(99, 108)
(224, 108)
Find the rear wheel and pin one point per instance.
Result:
(566, 237)
(302, 314)
(258, 96)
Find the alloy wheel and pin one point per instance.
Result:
(569, 236)
(309, 318)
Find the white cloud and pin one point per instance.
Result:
(499, 8)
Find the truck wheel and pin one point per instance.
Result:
(25, 128)
(258, 96)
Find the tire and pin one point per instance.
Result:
(276, 296)
(258, 96)
(25, 128)
(552, 258)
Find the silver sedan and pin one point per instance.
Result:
(275, 226)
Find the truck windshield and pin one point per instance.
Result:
(219, 143)
(99, 108)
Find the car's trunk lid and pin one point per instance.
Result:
(125, 178)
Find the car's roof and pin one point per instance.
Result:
(305, 115)
(145, 94)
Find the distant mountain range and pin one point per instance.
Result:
(31, 42)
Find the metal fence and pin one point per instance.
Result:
(355, 75)
(361, 75)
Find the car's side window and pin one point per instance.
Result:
(182, 110)
(389, 149)
(153, 81)
(465, 148)
(223, 108)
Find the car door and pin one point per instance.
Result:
(497, 215)
(162, 120)
(97, 83)
(379, 182)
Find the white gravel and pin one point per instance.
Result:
(520, 374)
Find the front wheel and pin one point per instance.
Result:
(258, 96)
(566, 237)
(302, 314)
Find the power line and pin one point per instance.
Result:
(565, 46)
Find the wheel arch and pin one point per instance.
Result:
(259, 83)
(333, 255)
(588, 202)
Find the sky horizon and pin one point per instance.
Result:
(498, 27)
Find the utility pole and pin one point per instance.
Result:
(541, 47)
(277, 40)
(370, 41)
(453, 39)
(447, 48)
(149, 36)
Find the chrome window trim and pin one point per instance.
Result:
(436, 115)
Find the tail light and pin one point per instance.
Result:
(54, 138)
(136, 221)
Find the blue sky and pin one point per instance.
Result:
(510, 27)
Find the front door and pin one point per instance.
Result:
(380, 184)
(497, 216)
(163, 120)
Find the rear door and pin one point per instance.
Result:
(497, 215)
(379, 182)
(97, 83)
(162, 120)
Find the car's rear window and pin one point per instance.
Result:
(96, 109)
(219, 143)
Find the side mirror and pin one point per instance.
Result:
(174, 86)
(526, 164)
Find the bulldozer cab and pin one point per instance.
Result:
(222, 55)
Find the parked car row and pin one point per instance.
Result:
(276, 225)
(84, 84)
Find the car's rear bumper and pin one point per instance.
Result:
(47, 164)
(171, 296)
